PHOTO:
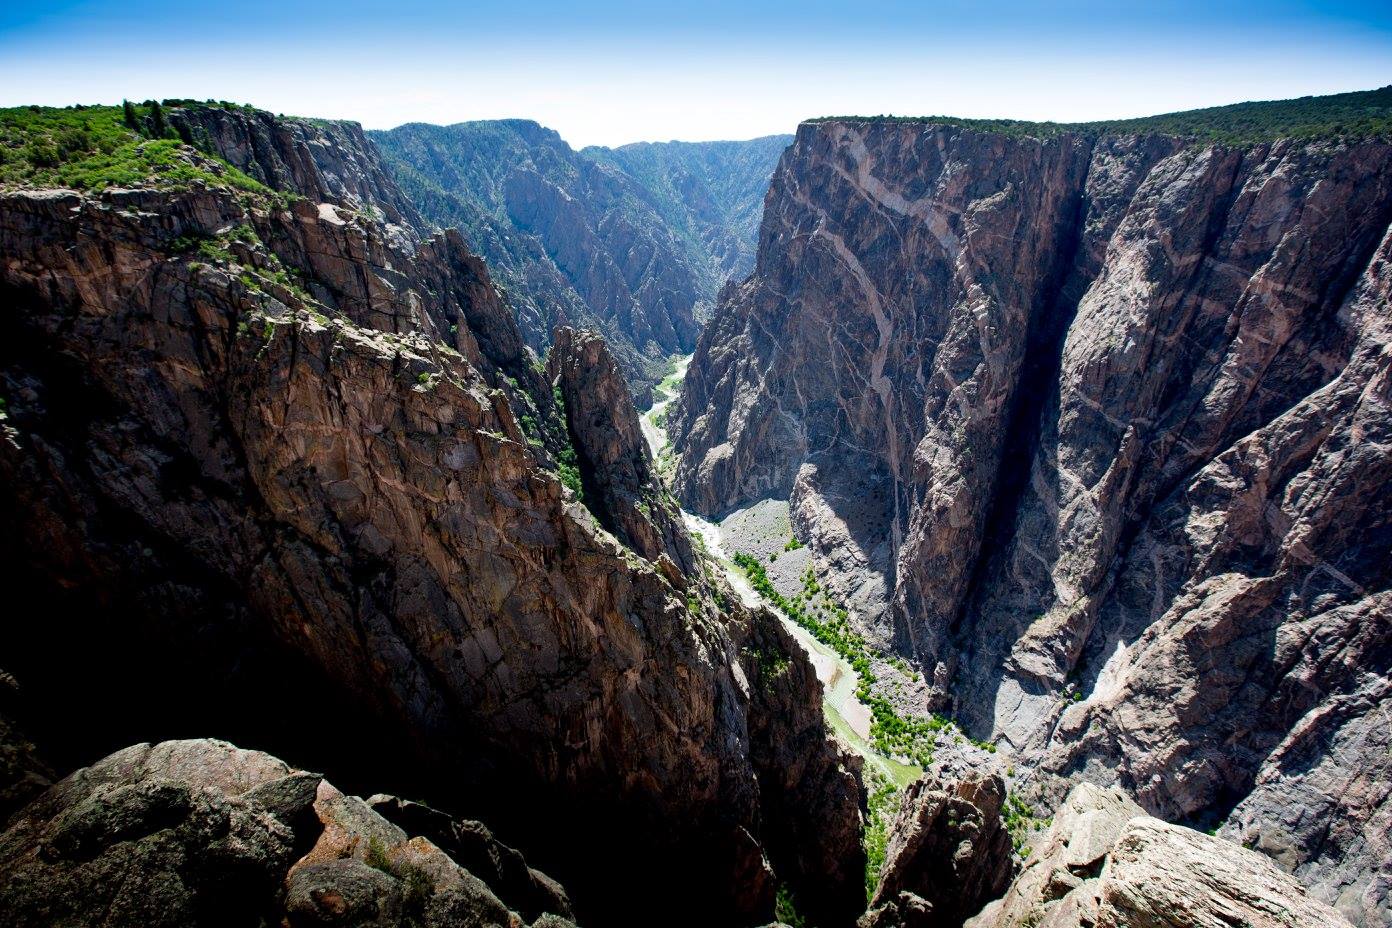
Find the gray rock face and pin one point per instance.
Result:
(710, 194)
(1107, 864)
(949, 852)
(262, 457)
(197, 833)
(577, 242)
(1096, 428)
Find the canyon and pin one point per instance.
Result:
(633, 242)
(1003, 543)
(1092, 424)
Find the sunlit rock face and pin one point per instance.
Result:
(1096, 428)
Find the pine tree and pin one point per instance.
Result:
(158, 127)
(132, 120)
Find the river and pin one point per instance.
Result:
(847, 715)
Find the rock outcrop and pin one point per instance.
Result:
(264, 457)
(1095, 426)
(616, 468)
(949, 852)
(198, 833)
(327, 161)
(1106, 864)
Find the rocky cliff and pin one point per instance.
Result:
(631, 242)
(573, 240)
(1105, 863)
(203, 833)
(710, 194)
(1093, 422)
(279, 471)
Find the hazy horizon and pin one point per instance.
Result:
(617, 72)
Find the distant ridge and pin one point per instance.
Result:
(1355, 115)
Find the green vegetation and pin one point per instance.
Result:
(785, 911)
(793, 544)
(1020, 821)
(891, 734)
(883, 803)
(567, 465)
(569, 471)
(1351, 116)
(94, 147)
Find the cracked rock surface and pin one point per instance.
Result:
(278, 471)
(204, 833)
(1097, 429)
(1107, 864)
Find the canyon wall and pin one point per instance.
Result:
(281, 471)
(1094, 426)
(632, 242)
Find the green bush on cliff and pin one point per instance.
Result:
(94, 147)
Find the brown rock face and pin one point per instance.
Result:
(194, 833)
(271, 472)
(949, 852)
(1097, 429)
(326, 161)
(616, 467)
(1107, 864)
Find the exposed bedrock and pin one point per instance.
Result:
(1106, 864)
(616, 467)
(201, 833)
(1097, 429)
(276, 474)
(949, 853)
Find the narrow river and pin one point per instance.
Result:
(848, 716)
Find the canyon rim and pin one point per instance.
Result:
(880, 521)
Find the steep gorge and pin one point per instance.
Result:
(1092, 422)
(632, 242)
(280, 470)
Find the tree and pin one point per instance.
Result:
(132, 120)
(158, 127)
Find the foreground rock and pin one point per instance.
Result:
(197, 833)
(1096, 427)
(949, 852)
(1106, 864)
(265, 452)
(23, 772)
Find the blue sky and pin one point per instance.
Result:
(615, 71)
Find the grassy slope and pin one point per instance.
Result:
(91, 148)
(1357, 115)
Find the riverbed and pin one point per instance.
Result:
(767, 521)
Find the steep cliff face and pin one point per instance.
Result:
(267, 457)
(615, 466)
(710, 194)
(1095, 426)
(948, 854)
(575, 241)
